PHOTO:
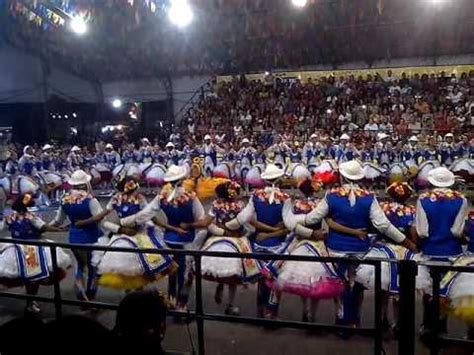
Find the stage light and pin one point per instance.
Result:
(78, 25)
(74, 115)
(267, 73)
(66, 116)
(117, 103)
(328, 112)
(180, 13)
(299, 3)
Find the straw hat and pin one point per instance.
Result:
(352, 170)
(79, 177)
(272, 172)
(441, 177)
(175, 173)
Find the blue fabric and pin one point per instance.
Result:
(77, 212)
(441, 214)
(23, 229)
(176, 215)
(356, 217)
(269, 214)
(126, 209)
(28, 167)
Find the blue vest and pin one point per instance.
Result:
(176, 215)
(126, 209)
(46, 164)
(270, 215)
(357, 217)
(28, 167)
(23, 229)
(77, 212)
(441, 215)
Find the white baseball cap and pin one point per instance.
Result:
(75, 149)
(345, 136)
(47, 146)
(169, 145)
(109, 146)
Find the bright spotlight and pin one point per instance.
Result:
(78, 25)
(74, 115)
(180, 13)
(117, 103)
(299, 3)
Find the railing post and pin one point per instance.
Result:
(57, 288)
(408, 270)
(436, 276)
(378, 338)
(199, 307)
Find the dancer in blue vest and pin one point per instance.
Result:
(130, 270)
(312, 281)
(356, 208)
(29, 265)
(175, 210)
(84, 212)
(47, 158)
(264, 212)
(440, 218)
(227, 271)
(26, 164)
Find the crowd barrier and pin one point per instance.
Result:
(407, 273)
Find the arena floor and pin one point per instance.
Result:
(225, 338)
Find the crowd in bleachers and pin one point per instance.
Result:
(362, 106)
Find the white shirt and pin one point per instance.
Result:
(421, 220)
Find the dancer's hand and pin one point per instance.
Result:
(184, 226)
(127, 231)
(407, 243)
(362, 234)
(181, 231)
(319, 235)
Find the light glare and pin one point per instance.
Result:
(117, 103)
(78, 25)
(299, 3)
(180, 13)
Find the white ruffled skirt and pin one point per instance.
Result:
(15, 257)
(365, 274)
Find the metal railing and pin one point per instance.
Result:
(407, 277)
(198, 314)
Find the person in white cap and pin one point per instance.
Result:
(47, 158)
(356, 208)
(26, 164)
(128, 155)
(448, 150)
(84, 212)
(411, 153)
(145, 153)
(112, 158)
(383, 149)
(246, 155)
(175, 210)
(439, 222)
(312, 152)
(210, 150)
(345, 150)
(265, 212)
(172, 155)
(74, 159)
(280, 152)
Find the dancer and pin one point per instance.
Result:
(356, 208)
(130, 271)
(440, 219)
(312, 281)
(227, 271)
(84, 212)
(29, 265)
(264, 212)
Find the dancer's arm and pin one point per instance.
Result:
(359, 233)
